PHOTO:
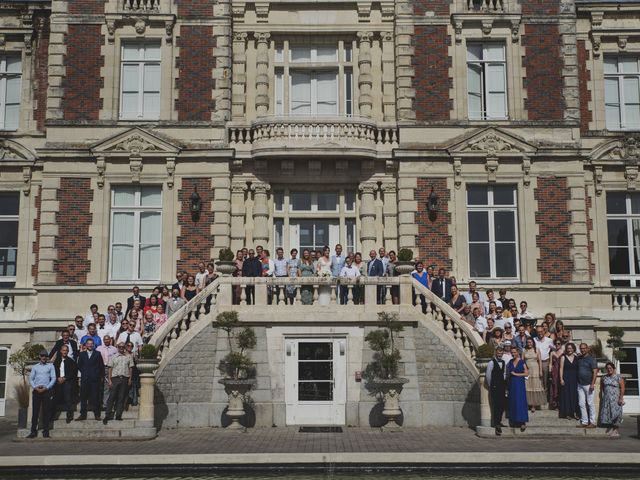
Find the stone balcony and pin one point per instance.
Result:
(278, 136)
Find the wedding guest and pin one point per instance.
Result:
(569, 383)
(517, 371)
(612, 400)
(554, 371)
(535, 390)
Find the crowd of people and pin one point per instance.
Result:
(95, 358)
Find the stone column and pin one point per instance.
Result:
(260, 213)
(485, 407)
(388, 78)
(367, 217)
(407, 206)
(390, 215)
(238, 213)
(146, 411)
(365, 80)
(577, 207)
(404, 68)
(262, 73)
(239, 75)
(221, 207)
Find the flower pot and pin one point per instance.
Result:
(236, 390)
(226, 269)
(390, 388)
(404, 268)
(147, 365)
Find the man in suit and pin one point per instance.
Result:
(136, 296)
(66, 380)
(496, 383)
(181, 279)
(441, 286)
(251, 267)
(175, 303)
(375, 268)
(72, 346)
(91, 368)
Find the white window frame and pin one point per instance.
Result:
(314, 202)
(491, 210)
(485, 87)
(137, 210)
(5, 76)
(619, 77)
(11, 218)
(141, 63)
(633, 278)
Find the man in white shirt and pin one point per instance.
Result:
(480, 322)
(468, 296)
(119, 312)
(201, 276)
(130, 335)
(90, 317)
(113, 324)
(544, 345)
(349, 271)
(491, 297)
(385, 259)
(81, 330)
(107, 350)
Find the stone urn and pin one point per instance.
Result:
(236, 390)
(147, 365)
(226, 269)
(390, 388)
(404, 268)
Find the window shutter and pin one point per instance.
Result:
(612, 103)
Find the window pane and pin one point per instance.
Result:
(327, 54)
(619, 261)
(635, 203)
(301, 201)
(610, 64)
(130, 52)
(616, 202)
(629, 64)
(321, 234)
(150, 228)
(327, 201)
(635, 225)
(479, 260)
(8, 234)
(9, 203)
(151, 196)
(278, 200)
(474, 51)
(503, 195)
(151, 105)
(474, 85)
(278, 56)
(494, 51)
(13, 90)
(152, 77)
(150, 262)
(12, 117)
(612, 116)
(618, 234)
(632, 116)
(327, 93)
(306, 234)
(121, 262)
(505, 226)
(130, 78)
(152, 51)
(279, 92)
(350, 226)
(278, 228)
(124, 196)
(506, 260)
(129, 105)
(300, 54)
(350, 201)
(122, 228)
(477, 195)
(478, 226)
(14, 64)
(300, 93)
(612, 102)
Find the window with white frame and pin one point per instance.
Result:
(314, 80)
(623, 225)
(136, 229)
(10, 85)
(622, 92)
(486, 81)
(140, 81)
(9, 209)
(493, 231)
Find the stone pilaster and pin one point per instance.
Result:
(222, 72)
(239, 79)
(221, 230)
(48, 231)
(390, 215)
(262, 73)
(367, 216)
(238, 213)
(577, 207)
(407, 206)
(388, 78)
(365, 80)
(57, 52)
(569, 52)
(405, 93)
(260, 213)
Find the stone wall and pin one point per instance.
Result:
(41, 72)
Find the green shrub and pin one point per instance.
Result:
(22, 358)
(596, 349)
(148, 352)
(236, 364)
(616, 343)
(405, 255)
(485, 350)
(226, 255)
(386, 358)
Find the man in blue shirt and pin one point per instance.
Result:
(587, 376)
(42, 380)
(92, 334)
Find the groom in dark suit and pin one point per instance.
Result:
(375, 268)
(136, 296)
(441, 286)
(91, 368)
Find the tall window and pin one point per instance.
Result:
(10, 82)
(493, 231)
(487, 81)
(9, 208)
(314, 80)
(140, 84)
(623, 223)
(136, 228)
(622, 92)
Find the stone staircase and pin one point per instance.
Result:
(129, 428)
(544, 423)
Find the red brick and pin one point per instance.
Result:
(583, 86)
(195, 8)
(434, 241)
(87, 7)
(554, 241)
(438, 7)
(36, 230)
(195, 240)
(541, 7)
(41, 73)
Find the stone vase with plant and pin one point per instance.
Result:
(383, 370)
(237, 367)
(404, 264)
(225, 264)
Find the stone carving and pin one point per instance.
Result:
(597, 179)
(135, 166)
(492, 144)
(140, 25)
(101, 167)
(628, 150)
(8, 153)
(457, 172)
(136, 144)
(171, 170)
(492, 168)
(168, 28)
(111, 29)
(26, 177)
(526, 171)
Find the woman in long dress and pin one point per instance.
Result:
(535, 390)
(569, 383)
(517, 370)
(554, 368)
(324, 271)
(611, 400)
(306, 270)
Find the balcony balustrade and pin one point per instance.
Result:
(625, 300)
(141, 5)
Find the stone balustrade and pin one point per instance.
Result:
(17, 303)
(625, 300)
(141, 5)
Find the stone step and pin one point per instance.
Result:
(544, 431)
(104, 433)
(91, 424)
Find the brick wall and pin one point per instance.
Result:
(82, 80)
(543, 63)
(541, 7)
(553, 220)
(35, 248)
(431, 81)
(583, 86)
(195, 239)
(438, 7)
(195, 69)
(87, 7)
(195, 8)
(41, 74)
(73, 241)
(433, 240)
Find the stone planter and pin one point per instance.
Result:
(481, 364)
(390, 388)
(147, 365)
(236, 391)
(404, 268)
(226, 269)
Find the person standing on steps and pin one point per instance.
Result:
(119, 381)
(495, 381)
(587, 376)
(42, 379)
(91, 368)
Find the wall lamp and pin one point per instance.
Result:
(432, 205)
(196, 205)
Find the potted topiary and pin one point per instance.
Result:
(22, 361)
(615, 343)
(148, 358)
(404, 265)
(484, 353)
(236, 366)
(225, 264)
(384, 368)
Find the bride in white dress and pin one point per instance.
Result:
(324, 271)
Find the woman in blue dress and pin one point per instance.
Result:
(569, 383)
(422, 276)
(518, 407)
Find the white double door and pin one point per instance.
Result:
(315, 381)
(314, 234)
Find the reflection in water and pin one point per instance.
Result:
(368, 475)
